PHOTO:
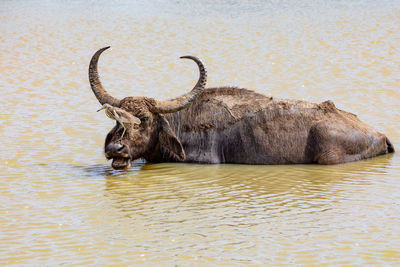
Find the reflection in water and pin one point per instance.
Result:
(60, 201)
(207, 186)
(250, 204)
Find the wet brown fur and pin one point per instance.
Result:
(234, 125)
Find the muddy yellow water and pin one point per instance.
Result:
(61, 203)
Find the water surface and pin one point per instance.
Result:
(61, 203)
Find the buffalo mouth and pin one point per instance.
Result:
(121, 163)
(119, 154)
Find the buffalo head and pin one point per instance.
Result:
(141, 131)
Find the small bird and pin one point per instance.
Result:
(119, 115)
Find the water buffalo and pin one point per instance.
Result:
(232, 125)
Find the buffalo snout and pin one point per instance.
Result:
(118, 150)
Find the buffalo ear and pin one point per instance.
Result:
(170, 146)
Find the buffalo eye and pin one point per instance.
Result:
(144, 119)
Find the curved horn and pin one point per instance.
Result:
(183, 101)
(98, 90)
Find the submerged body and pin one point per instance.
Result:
(232, 125)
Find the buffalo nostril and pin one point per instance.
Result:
(114, 148)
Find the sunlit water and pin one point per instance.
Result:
(61, 203)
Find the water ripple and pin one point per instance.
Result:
(62, 204)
